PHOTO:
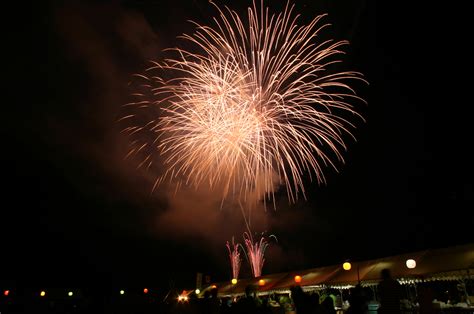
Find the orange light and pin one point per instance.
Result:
(6, 292)
(261, 282)
(213, 286)
(145, 290)
(347, 266)
(297, 278)
(42, 293)
(182, 298)
(234, 281)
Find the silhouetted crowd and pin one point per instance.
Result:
(300, 302)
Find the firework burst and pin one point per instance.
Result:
(254, 104)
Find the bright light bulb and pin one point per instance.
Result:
(411, 263)
(347, 266)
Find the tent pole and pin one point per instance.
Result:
(358, 276)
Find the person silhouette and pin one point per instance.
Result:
(213, 302)
(247, 304)
(425, 299)
(390, 293)
(327, 306)
(357, 301)
(301, 300)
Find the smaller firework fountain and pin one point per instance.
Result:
(235, 260)
(255, 253)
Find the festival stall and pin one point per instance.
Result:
(454, 263)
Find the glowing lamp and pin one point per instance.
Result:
(297, 278)
(6, 293)
(214, 287)
(198, 291)
(234, 281)
(261, 282)
(122, 292)
(182, 298)
(411, 263)
(70, 293)
(145, 291)
(347, 266)
(42, 293)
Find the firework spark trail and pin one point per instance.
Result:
(252, 106)
(235, 260)
(255, 253)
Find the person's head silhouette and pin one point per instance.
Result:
(214, 293)
(386, 274)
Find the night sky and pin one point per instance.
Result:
(75, 213)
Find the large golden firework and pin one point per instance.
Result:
(251, 104)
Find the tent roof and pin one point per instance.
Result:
(439, 264)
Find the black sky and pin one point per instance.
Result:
(75, 213)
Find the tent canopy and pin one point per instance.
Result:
(451, 263)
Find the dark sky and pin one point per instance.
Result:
(76, 213)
